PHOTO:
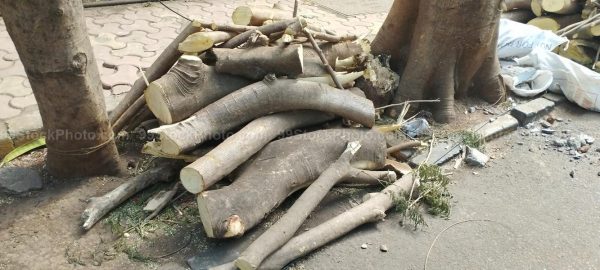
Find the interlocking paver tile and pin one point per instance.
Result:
(15, 86)
(137, 36)
(141, 14)
(165, 33)
(14, 70)
(176, 23)
(133, 49)
(103, 53)
(108, 40)
(140, 25)
(129, 60)
(109, 28)
(4, 64)
(11, 56)
(23, 102)
(7, 111)
(158, 47)
(112, 18)
(126, 74)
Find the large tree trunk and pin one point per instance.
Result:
(442, 53)
(52, 42)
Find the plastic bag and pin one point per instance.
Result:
(526, 81)
(578, 83)
(517, 40)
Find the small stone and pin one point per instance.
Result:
(586, 139)
(548, 131)
(572, 174)
(531, 149)
(383, 248)
(545, 124)
(558, 119)
(584, 149)
(364, 246)
(598, 173)
(566, 131)
(126, 235)
(15, 180)
(535, 130)
(574, 142)
(529, 126)
(559, 142)
(475, 157)
(573, 152)
(472, 109)
(520, 143)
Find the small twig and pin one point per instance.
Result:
(296, 5)
(408, 102)
(597, 57)
(323, 59)
(402, 146)
(447, 228)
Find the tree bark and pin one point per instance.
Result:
(281, 168)
(52, 42)
(371, 210)
(265, 29)
(188, 87)
(442, 54)
(285, 228)
(313, 67)
(257, 100)
(239, 147)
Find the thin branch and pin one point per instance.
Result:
(323, 59)
(408, 102)
(296, 5)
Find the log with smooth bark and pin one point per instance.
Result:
(563, 6)
(51, 40)
(346, 79)
(281, 168)
(245, 15)
(161, 65)
(188, 87)
(440, 54)
(554, 22)
(256, 63)
(257, 100)
(202, 41)
(371, 210)
(100, 206)
(285, 228)
(239, 147)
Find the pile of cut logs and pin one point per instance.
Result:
(262, 78)
(578, 20)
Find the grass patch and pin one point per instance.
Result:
(472, 139)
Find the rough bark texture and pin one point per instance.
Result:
(100, 206)
(265, 29)
(380, 82)
(285, 228)
(441, 53)
(239, 147)
(161, 65)
(52, 42)
(313, 66)
(369, 211)
(257, 62)
(188, 87)
(281, 168)
(257, 100)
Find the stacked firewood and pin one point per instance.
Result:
(578, 20)
(267, 75)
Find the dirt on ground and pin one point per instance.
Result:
(523, 210)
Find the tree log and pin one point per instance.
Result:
(522, 15)
(379, 82)
(580, 51)
(346, 79)
(256, 63)
(51, 40)
(202, 41)
(564, 7)
(536, 7)
(283, 230)
(223, 27)
(100, 206)
(245, 15)
(257, 100)
(313, 67)
(371, 210)
(239, 147)
(188, 87)
(281, 168)
(554, 22)
(440, 55)
(265, 29)
(508, 5)
(163, 63)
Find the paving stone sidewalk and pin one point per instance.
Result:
(127, 38)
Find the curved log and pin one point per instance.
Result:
(281, 168)
(260, 99)
(238, 148)
(188, 87)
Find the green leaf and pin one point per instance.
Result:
(23, 149)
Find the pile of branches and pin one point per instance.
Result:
(265, 77)
(578, 20)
